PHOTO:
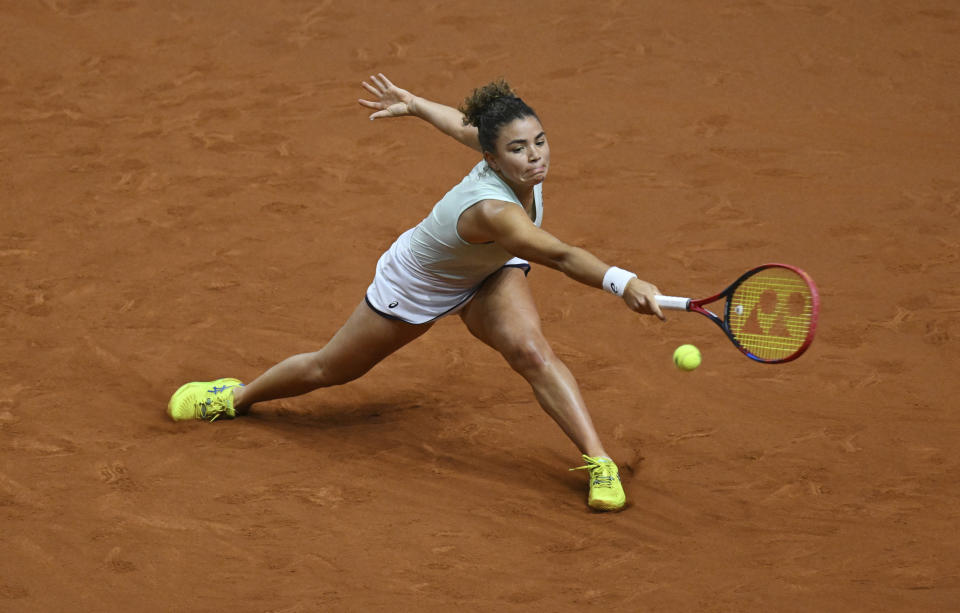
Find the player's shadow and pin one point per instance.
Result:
(372, 427)
(334, 415)
(356, 427)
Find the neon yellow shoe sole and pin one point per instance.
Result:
(207, 400)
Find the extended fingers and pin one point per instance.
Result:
(389, 97)
(372, 89)
(386, 80)
(381, 82)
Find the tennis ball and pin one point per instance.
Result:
(686, 357)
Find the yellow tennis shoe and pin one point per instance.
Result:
(207, 400)
(606, 492)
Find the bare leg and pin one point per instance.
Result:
(504, 316)
(357, 347)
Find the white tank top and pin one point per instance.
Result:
(436, 245)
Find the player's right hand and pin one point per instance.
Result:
(391, 101)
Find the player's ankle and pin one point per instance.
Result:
(238, 404)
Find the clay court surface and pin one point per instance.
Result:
(190, 191)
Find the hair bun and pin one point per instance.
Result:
(491, 107)
(482, 98)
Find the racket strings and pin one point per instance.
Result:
(771, 314)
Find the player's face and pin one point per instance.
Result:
(522, 155)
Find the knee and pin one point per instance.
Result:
(312, 370)
(527, 353)
(319, 371)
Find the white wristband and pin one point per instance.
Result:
(615, 280)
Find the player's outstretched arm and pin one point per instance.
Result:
(392, 101)
(511, 228)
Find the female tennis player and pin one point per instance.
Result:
(468, 256)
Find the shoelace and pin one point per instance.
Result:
(601, 473)
(212, 408)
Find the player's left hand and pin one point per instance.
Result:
(640, 297)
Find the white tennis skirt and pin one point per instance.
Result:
(403, 290)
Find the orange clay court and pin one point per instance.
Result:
(191, 191)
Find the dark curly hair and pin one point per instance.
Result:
(491, 107)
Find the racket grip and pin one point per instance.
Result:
(673, 302)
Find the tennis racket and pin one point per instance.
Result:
(770, 312)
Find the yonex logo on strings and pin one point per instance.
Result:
(770, 313)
